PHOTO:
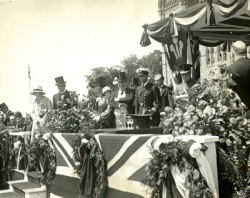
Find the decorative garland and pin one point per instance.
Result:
(6, 157)
(87, 151)
(158, 170)
(41, 151)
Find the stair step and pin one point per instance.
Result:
(19, 187)
(11, 195)
(17, 175)
(32, 177)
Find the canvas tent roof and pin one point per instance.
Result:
(212, 20)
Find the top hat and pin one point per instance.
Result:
(3, 106)
(141, 70)
(135, 82)
(37, 89)
(141, 121)
(59, 80)
(184, 68)
(121, 77)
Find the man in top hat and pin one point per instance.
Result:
(62, 100)
(166, 96)
(123, 96)
(241, 71)
(147, 99)
(4, 108)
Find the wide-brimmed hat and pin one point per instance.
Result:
(37, 89)
(3, 106)
(142, 70)
(135, 82)
(121, 77)
(59, 80)
(184, 68)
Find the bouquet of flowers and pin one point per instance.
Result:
(213, 108)
(74, 120)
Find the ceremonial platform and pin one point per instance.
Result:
(127, 156)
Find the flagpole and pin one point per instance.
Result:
(29, 80)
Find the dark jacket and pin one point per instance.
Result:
(65, 104)
(166, 98)
(148, 97)
(128, 100)
(241, 75)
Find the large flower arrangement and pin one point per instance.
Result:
(77, 119)
(213, 108)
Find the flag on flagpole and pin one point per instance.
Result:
(29, 73)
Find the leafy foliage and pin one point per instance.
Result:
(104, 76)
(6, 157)
(77, 119)
(213, 108)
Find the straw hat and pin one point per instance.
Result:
(37, 89)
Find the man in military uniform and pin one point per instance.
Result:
(147, 99)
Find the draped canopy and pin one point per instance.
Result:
(211, 21)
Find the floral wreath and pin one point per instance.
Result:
(41, 150)
(159, 170)
(87, 151)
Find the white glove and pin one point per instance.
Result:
(97, 118)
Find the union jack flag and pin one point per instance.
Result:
(127, 156)
(29, 72)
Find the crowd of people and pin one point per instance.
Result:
(142, 95)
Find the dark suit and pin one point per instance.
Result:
(166, 98)
(242, 68)
(148, 97)
(128, 100)
(65, 105)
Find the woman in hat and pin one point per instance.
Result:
(103, 108)
(103, 102)
(40, 107)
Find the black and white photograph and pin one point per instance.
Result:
(125, 99)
